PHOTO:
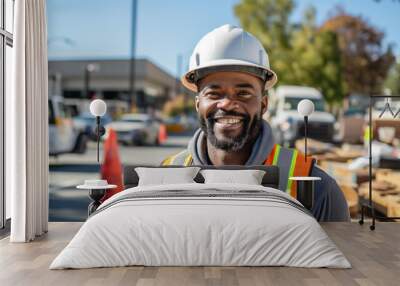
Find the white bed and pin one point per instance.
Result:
(201, 224)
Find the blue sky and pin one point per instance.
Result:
(101, 28)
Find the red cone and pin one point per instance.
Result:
(162, 133)
(111, 169)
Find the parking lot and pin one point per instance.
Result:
(66, 203)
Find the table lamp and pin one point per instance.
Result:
(305, 108)
(97, 188)
(98, 108)
(305, 185)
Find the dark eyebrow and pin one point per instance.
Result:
(244, 85)
(213, 86)
(239, 85)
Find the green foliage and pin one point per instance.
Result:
(317, 60)
(367, 62)
(305, 54)
(300, 54)
(393, 80)
(268, 20)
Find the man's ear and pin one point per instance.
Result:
(264, 103)
(197, 101)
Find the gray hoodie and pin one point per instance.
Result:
(329, 205)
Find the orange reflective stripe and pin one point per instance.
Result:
(270, 158)
(297, 168)
(301, 169)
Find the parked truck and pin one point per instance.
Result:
(64, 135)
(288, 125)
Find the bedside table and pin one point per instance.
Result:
(97, 190)
(305, 190)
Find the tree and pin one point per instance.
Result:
(393, 80)
(299, 53)
(365, 61)
(268, 20)
(317, 61)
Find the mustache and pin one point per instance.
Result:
(249, 131)
(222, 113)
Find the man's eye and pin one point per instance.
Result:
(212, 94)
(244, 94)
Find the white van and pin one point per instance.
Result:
(288, 124)
(64, 136)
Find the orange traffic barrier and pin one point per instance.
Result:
(111, 169)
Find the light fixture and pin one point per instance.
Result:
(97, 188)
(305, 185)
(98, 108)
(305, 108)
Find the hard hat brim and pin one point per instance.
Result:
(226, 62)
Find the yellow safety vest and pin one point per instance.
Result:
(291, 163)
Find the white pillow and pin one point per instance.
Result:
(248, 177)
(163, 176)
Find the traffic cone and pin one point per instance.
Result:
(162, 133)
(111, 169)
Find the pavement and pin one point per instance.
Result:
(66, 203)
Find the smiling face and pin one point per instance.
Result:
(230, 107)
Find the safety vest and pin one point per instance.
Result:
(291, 163)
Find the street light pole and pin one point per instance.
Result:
(92, 67)
(86, 80)
(178, 73)
(132, 95)
(178, 89)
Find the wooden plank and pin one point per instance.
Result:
(374, 255)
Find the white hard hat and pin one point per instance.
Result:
(228, 48)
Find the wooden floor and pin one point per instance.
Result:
(375, 257)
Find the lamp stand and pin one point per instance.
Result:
(96, 195)
(305, 136)
(100, 131)
(98, 137)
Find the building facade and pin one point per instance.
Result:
(80, 81)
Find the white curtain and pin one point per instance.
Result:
(27, 124)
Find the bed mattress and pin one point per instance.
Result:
(201, 225)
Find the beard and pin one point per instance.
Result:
(249, 132)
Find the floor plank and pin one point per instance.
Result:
(374, 255)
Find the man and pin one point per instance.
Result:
(229, 69)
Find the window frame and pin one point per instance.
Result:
(6, 39)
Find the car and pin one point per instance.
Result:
(288, 125)
(136, 129)
(64, 135)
